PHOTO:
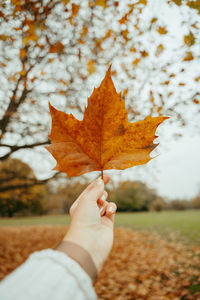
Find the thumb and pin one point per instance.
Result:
(98, 182)
(91, 193)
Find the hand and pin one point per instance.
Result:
(92, 220)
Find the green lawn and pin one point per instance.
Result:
(48, 219)
(185, 223)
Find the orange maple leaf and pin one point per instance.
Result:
(104, 139)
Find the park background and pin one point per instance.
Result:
(58, 51)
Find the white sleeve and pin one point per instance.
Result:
(48, 275)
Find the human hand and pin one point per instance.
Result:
(92, 220)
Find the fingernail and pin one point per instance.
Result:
(99, 181)
(103, 197)
(110, 209)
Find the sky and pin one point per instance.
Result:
(179, 168)
(176, 171)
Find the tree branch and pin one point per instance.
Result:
(14, 148)
(14, 103)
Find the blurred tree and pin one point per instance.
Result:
(60, 199)
(195, 202)
(133, 196)
(52, 50)
(19, 189)
(178, 204)
(158, 204)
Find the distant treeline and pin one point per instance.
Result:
(22, 194)
(129, 196)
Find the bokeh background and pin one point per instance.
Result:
(57, 51)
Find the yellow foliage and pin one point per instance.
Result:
(22, 53)
(136, 61)
(189, 56)
(17, 191)
(189, 39)
(159, 50)
(91, 67)
(101, 3)
(162, 30)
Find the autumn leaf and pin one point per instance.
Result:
(104, 139)
(84, 31)
(136, 61)
(4, 37)
(196, 101)
(172, 75)
(101, 3)
(144, 2)
(62, 92)
(178, 2)
(75, 9)
(124, 19)
(125, 34)
(3, 64)
(137, 255)
(159, 50)
(58, 47)
(162, 30)
(91, 67)
(65, 1)
(22, 54)
(189, 39)
(144, 53)
(197, 78)
(154, 20)
(189, 56)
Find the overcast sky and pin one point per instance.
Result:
(179, 168)
(175, 173)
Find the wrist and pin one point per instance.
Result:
(80, 255)
(87, 239)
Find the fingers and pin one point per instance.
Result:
(95, 183)
(107, 208)
(108, 217)
(102, 199)
(93, 192)
(95, 189)
(102, 203)
(111, 209)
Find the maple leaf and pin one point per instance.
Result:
(104, 139)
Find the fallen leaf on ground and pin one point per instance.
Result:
(142, 265)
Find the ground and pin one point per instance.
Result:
(155, 259)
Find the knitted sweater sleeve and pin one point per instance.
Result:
(48, 275)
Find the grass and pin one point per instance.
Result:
(39, 220)
(184, 223)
